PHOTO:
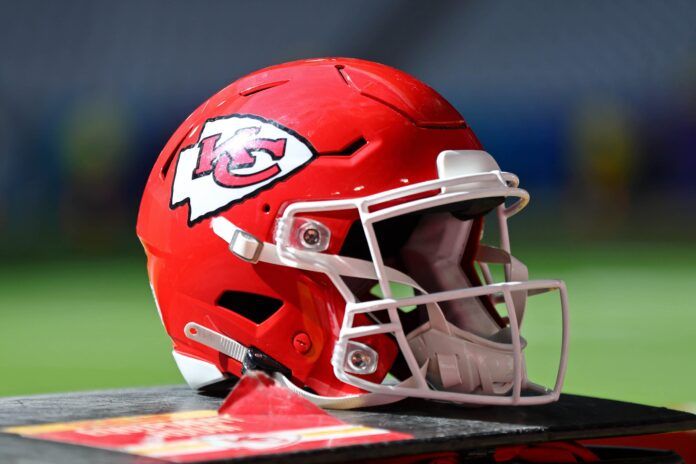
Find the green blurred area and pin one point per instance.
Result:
(89, 324)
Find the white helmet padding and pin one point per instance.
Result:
(461, 361)
(467, 349)
(433, 257)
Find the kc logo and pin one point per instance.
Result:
(235, 158)
(223, 159)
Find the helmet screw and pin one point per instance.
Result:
(311, 236)
(302, 343)
(360, 360)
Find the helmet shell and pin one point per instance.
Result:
(372, 128)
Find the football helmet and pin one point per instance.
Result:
(321, 221)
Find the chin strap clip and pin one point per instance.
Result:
(257, 360)
(251, 358)
(245, 246)
(241, 243)
(216, 341)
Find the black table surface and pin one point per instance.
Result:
(435, 426)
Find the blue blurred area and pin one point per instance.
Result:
(592, 103)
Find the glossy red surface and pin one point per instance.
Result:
(400, 126)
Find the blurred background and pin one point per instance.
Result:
(592, 104)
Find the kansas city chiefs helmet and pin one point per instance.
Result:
(321, 221)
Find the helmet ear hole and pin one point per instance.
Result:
(257, 308)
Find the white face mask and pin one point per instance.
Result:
(464, 351)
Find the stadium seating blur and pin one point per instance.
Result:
(593, 104)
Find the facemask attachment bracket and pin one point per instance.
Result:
(360, 358)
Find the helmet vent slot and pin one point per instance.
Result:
(260, 88)
(168, 162)
(257, 308)
(350, 149)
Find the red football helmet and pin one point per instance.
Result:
(321, 221)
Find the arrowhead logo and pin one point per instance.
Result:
(235, 157)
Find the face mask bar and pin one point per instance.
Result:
(422, 389)
(448, 191)
(451, 190)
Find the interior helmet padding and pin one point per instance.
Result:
(433, 257)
